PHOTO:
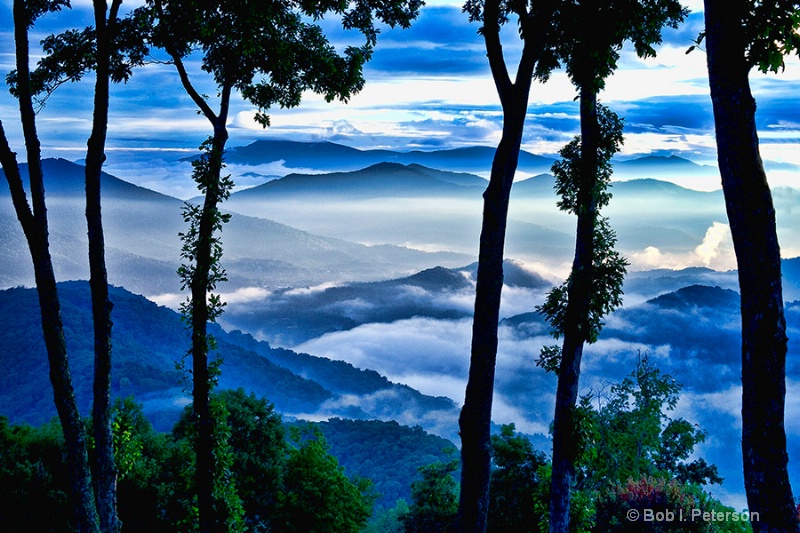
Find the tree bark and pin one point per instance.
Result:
(105, 472)
(579, 295)
(475, 419)
(34, 226)
(751, 216)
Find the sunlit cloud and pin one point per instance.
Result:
(710, 249)
(716, 251)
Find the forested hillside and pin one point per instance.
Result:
(150, 345)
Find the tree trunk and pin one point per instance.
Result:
(105, 472)
(752, 221)
(34, 226)
(579, 295)
(209, 517)
(475, 419)
(476, 414)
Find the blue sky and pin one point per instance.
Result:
(427, 87)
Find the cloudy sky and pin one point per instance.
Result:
(427, 87)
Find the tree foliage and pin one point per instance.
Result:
(520, 484)
(591, 56)
(768, 33)
(630, 434)
(608, 266)
(272, 481)
(434, 500)
(271, 52)
(631, 455)
(318, 497)
(69, 55)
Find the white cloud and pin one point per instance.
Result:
(245, 295)
(715, 251)
(169, 299)
(710, 249)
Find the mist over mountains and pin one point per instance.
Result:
(143, 246)
(371, 268)
(328, 156)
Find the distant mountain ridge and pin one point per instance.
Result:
(328, 156)
(662, 165)
(378, 180)
(143, 247)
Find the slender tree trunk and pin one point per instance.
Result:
(476, 414)
(210, 519)
(752, 221)
(579, 295)
(105, 472)
(34, 225)
(475, 419)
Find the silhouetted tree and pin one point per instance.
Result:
(740, 35)
(537, 61)
(590, 57)
(575, 309)
(33, 219)
(270, 52)
(111, 49)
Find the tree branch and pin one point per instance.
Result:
(8, 159)
(494, 49)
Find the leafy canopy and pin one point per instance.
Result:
(631, 435)
(272, 51)
(769, 32)
(68, 56)
(593, 32)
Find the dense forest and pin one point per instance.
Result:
(375, 476)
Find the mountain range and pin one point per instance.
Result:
(379, 222)
(149, 346)
(143, 246)
(412, 205)
(365, 269)
(327, 156)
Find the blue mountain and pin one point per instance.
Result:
(149, 343)
(328, 156)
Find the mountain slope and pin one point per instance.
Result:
(148, 343)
